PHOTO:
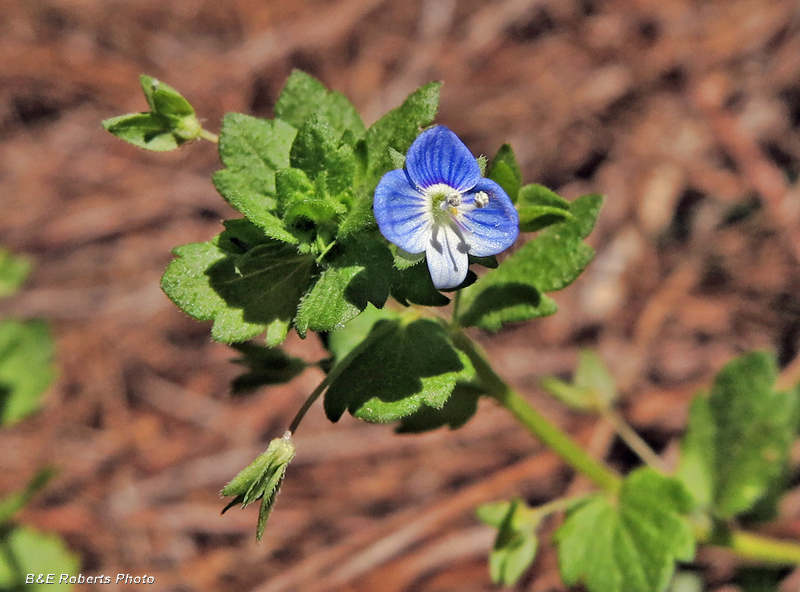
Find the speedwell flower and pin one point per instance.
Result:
(441, 206)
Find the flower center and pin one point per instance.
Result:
(447, 204)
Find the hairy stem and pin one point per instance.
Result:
(536, 423)
(207, 135)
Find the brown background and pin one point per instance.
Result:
(681, 112)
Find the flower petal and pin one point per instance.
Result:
(447, 257)
(402, 212)
(494, 227)
(438, 156)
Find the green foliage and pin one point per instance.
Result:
(515, 291)
(170, 122)
(26, 367)
(592, 388)
(252, 149)
(516, 543)
(13, 503)
(413, 285)
(342, 341)
(304, 96)
(244, 293)
(457, 410)
(359, 275)
(13, 271)
(397, 130)
(262, 480)
(24, 551)
(307, 254)
(738, 438)
(401, 366)
(539, 207)
(318, 152)
(505, 171)
(631, 543)
(265, 366)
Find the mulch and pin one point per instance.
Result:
(684, 114)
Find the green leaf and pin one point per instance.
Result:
(551, 261)
(150, 131)
(398, 129)
(505, 171)
(698, 453)
(13, 503)
(511, 557)
(489, 262)
(262, 480)
(482, 164)
(317, 151)
(629, 544)
(403, 259)
(398, 159)
(170, 122)
(13, 272)
(252, 149)
(516, 542)
(413, 285)
(25, 551)
(539, 207)
(737, 443)
(26, 367)
(265, 366)
(494, 513)
(302, 200)
(359, 275)
(304, 96)
(592, 389)
(457, 410)
(360, 219)
(164, 99)
(341, 342)
(243, 293)
(397, 369)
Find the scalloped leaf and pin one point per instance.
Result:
(628, 544)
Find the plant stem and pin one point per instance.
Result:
(456, 303)
(536, 423)
(761, 549)
(301, 413)
(207, 135)
(337, 369)
(747, 545)
(634, 441)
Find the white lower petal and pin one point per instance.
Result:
(447, 257)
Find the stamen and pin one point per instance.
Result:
(481, 199)
(454, 199)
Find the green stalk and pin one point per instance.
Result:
(337, 369)
(536, 423)
(207, 135)
(758, 548)
(749, 546)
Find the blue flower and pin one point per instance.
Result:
(441, 206)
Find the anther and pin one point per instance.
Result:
(454, 199)
(481, 199)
